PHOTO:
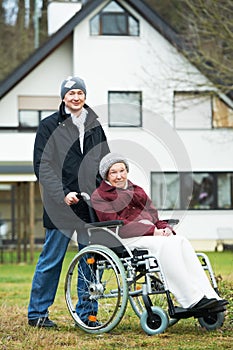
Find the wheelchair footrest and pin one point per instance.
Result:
(180, 312)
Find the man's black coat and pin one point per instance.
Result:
(61, 167)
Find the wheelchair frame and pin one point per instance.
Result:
(111, 274)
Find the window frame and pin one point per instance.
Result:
(103, 14)
(181, 175)
(39, 118)
(211, 95)
(140, 109)
(115, 15)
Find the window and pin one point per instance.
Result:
(30, 119)
(197, 190)
(222, 114)
(34, 108)
(201, 111)
(114, 20)
(225, 190)
(125, 108)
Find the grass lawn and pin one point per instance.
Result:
(15, 283)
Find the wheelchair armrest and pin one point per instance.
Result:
(172, 222)
(112, 223)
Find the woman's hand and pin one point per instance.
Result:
(162, 231)
(71, 198)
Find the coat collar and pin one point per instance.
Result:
(90, 120)
(106, 187)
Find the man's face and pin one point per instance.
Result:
(74, 100)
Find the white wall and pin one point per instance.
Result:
(148, 63)
(205, 229)
(59, 13)
(45, 80)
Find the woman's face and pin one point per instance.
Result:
(117, 175)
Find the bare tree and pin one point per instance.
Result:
(43, 32)
(18, 30)
(206, 29)
(209, 39)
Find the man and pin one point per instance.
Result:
(68, 147)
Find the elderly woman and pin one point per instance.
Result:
(117, 198)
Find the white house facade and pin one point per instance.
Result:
(157, 109)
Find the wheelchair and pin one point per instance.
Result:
(106, 275)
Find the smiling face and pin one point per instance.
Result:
(74, 100)
(117, 175)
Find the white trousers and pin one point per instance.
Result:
(186, 278)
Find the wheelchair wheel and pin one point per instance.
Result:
(157, 297)
(155, 323)
(96, 289)
(212, 321)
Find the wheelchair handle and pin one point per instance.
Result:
(172, 222)
(83, 195)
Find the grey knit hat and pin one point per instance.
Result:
(110, 159)
(72, 83)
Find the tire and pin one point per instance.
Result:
(102, 285)
(212, 321)
(155, 324)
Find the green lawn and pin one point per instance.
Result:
(15, 282)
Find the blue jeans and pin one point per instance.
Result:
(47, 275)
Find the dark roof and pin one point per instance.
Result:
(67, 29)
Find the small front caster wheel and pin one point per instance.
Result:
(155, 323)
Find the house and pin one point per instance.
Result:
(156, 108)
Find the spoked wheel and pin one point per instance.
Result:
(212, 321)
(96, 289)
(155, 323)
